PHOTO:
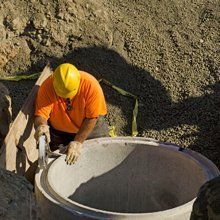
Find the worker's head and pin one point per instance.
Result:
(66, 80)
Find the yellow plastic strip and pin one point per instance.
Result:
(112, 131)
(20, 77)
(134, 120)
(134, 131)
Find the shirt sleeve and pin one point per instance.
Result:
(95, 101)
(43, 102)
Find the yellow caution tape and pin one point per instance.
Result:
(134, 119)
(134, 131)
(112, 131)
(20, 77)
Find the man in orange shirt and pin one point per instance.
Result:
(70, 106)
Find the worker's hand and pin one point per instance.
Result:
(73, 152)
(42, 130)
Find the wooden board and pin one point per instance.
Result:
(19, 153)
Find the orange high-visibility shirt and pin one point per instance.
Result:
(89, 102)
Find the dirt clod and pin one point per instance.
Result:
(16, 197)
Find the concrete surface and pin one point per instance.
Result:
(124, 178)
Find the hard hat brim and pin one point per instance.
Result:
(65, 95)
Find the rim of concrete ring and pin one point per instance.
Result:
(208, 166)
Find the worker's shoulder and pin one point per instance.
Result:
(87, 77)
(48, 81)
(47, 85)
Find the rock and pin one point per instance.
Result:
(5, 111)
(201, 41)
(17, 200)
(207, 205)
(39, 21)
(47, 43)
(61, 15)
(21, 56)
(3, 33)
(16, 23)
(39, 37)
(60, 37)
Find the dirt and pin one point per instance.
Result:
(5, 111)
(164, 52)
(16, 197)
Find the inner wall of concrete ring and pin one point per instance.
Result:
(124, 178)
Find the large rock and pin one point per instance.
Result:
(14, 56)
(7, 52)
(5, 111)
(207, 204)
(16, 197)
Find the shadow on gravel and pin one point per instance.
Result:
(19, 91)
(156, 109)
(204, 112)
(154, 101)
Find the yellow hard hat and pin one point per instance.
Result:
(66, 80)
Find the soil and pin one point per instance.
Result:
(164, 52)
(16, 197)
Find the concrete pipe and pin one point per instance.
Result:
(123, 178)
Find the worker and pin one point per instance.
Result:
(207, 203)
(70, 108)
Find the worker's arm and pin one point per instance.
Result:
(74, 147)
(39, 121)
(85, 130)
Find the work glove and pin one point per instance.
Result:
(73, 152)
(42, 130)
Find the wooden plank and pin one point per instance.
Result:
(19, 153)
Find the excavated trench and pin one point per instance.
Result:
(124, 178)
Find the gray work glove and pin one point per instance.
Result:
(73, 152)
(42, 130)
